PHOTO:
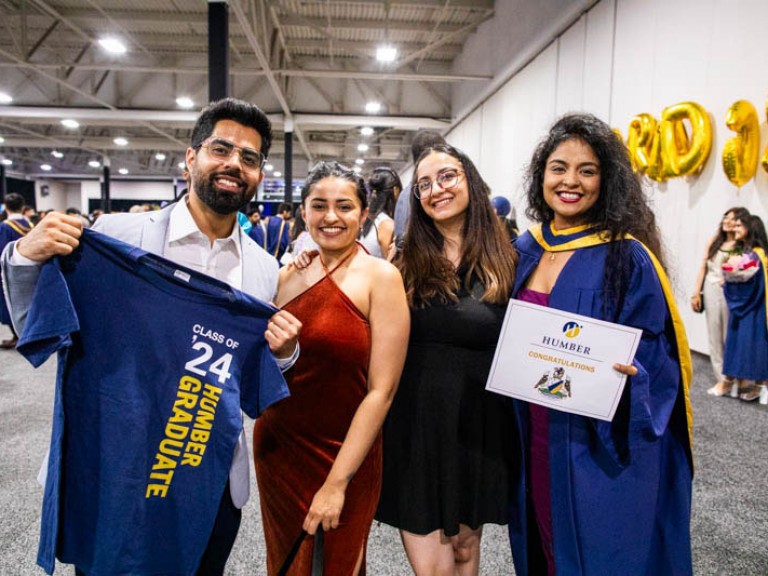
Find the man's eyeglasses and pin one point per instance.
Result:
(222, 150)
(446, 179)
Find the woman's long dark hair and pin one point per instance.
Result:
(382, 184)
(756, 237)
(738, 213)
(621, 208)
(486, 255)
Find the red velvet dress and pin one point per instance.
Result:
(295, 441)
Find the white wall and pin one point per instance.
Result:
(63, 194)
(126, 190)
(59, 195)
(619, 59)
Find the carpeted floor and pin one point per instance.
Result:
(730, 500)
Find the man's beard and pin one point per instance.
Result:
(222, 202)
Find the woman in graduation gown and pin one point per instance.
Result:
(318, 452)
(746, 343)
(600, 497)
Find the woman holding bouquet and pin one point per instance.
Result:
(709, 291)
(746, 345)
(598, 497)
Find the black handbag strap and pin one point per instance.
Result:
(317, 553)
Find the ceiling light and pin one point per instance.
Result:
(2, 139)
(359, 161)
(386, 54)
(277, 174)
(120, 141)
(184, 102)
(160, 156)
(182, 165)
(5, 98)
(123, 171)
(357, 169)
(366, 130)
(46, 167)
(70, 123)
(6, 161)
(362, 147)
(113, 45)
(373, 107)
(268, 167)
(94, 164)
(57, 154)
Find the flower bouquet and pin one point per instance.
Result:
(740, 267)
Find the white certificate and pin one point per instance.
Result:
(561, 360)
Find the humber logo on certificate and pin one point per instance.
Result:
(562, 360)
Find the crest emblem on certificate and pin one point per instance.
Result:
(555, 384)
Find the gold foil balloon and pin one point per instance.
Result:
(642, 131)
(684, 154)
(764, 159)
(741, 152)
(656, 158)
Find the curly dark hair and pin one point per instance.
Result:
(486, 252)
(239, 111)
(739, 213)
(328, 169)
(621, 208)
(382, 184)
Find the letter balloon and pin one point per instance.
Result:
(642, 131)
(764, 159)
(684, 154)
(740, 154)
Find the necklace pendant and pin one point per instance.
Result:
(551, 256)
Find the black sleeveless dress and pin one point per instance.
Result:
(448, 443)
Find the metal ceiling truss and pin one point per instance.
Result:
(317, 58)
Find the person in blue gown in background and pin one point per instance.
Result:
(598, 497)
(746, 344)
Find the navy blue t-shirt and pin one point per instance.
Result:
(155, 362)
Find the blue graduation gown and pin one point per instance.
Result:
(746, 342)
(621, 490)
(10, 230)
(278, 236)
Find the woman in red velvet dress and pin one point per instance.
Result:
(318, 453)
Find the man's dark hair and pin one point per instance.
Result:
(252, 211)
(72, 210)
(13, 202)
(238, 111)
(285, 207)
(425, 139)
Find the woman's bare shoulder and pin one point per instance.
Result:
(378, 269)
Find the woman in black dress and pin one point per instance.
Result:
(448, 442)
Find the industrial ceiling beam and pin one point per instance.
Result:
(264, 63)
(240, 71)
(83, 93)
(133, 116)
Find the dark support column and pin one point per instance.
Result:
(288, 171)
(106, 202)
(3, 183)
(218, 49)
